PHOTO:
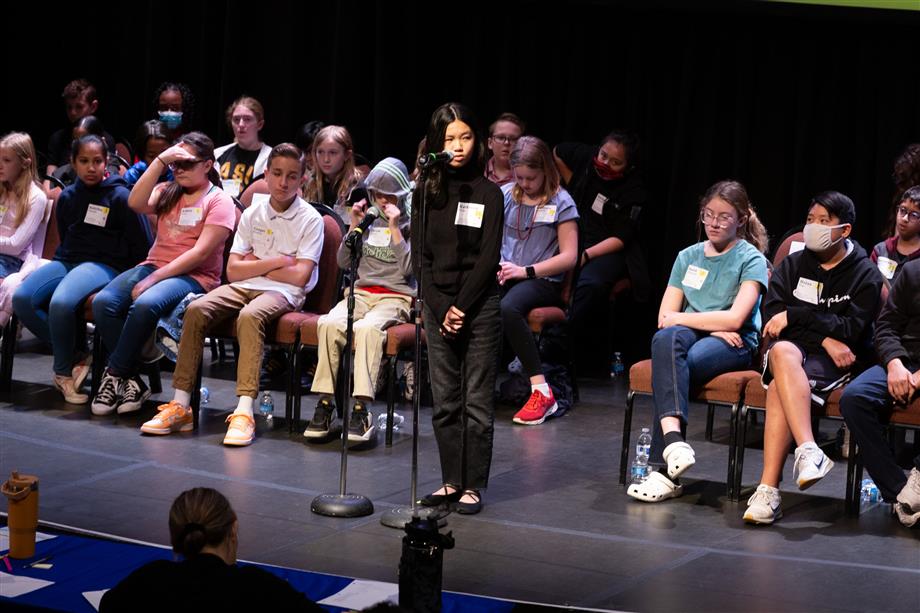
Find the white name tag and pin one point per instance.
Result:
(796, 246)
(262, 236)
(189, 216)
(469, 214)
(887, 266)
(231, 186)
(598, 206)
(96, 215)
(379, 237)
(807, 290)
(695, 277)
(545, 214)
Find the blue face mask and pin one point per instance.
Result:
(172, 119)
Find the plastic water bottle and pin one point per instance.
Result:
(617, 368)
(398, 420)
(267, 408)
(640, 469)
(205, 395)
(869, 491)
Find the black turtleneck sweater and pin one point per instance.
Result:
(459, 262)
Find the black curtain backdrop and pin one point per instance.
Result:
(791, 100)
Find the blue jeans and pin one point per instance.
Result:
(9, 264)
(50, 304)
(683, 358)
(127, 324)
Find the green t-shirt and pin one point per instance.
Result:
(711, 283)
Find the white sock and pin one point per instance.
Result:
(244, 406)
(809, 445)
(183, 398)
(543, 388)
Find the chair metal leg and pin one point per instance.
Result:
(195, 400)
(627, 427)
(732, 459)
(854, 480)
(710, 416)
(153, 376)
(391, 368)
(740, 442)
(289, 386)
(296, 389)
(7, 353)
(99, 359)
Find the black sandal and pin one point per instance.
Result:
(469, 508)
(435, 500)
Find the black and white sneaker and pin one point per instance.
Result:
(360, 425)
(109, 394)
(133, 396)
(323, 421)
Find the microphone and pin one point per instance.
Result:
(369, 218)
(430, 159)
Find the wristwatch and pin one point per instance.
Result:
(531, 273)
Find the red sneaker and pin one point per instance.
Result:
(537, 409)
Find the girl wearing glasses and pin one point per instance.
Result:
(709, 324)
(904, 243)
(245, 158)
(100, 237)
(194, 219)
(503, 134)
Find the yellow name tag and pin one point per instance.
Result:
(695, 277)
(808, 290)
(545, 214)
(96, 215)
(887, 266)
(469, 214)
(190, 215)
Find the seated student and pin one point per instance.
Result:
(819, 311)
(22, 207)
(194, 219)
(100, 237)
(151, 141)
(80, 100)
(904, 244)
(272, 268)
(334, 172)
(246, 157)
(175, 107)
(871, 397)
(65, 173)
(709, 324)
(204, 531)
(503, 134)
(383, 296)
(539, 246)
(610, 195)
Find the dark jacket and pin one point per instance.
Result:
(846, 306)
(121, 243)
(897, 331)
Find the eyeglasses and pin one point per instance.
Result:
(724, 219)
(505, 140)
(183, 164)
(912, 216)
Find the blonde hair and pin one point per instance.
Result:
(347, 178)
(20, 143)
(734, 193)
(533, 153)
(250, 103)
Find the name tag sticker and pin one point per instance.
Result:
(598, 206)
(695, 277)
(379, 237)
(96, 215)
(796, 246)
(469, 214)
(807, 290)
(887, 266)
(190, 215)
(2, 211)
(231, 186)
(545, 214)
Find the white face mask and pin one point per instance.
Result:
(818, 236)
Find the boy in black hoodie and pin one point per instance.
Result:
(819, 311)
(870, 398)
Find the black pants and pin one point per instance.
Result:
(462, 384)
(517, 301)
(866, 405)
(590, 306)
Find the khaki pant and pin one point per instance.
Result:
(374, 313)
(253, 309)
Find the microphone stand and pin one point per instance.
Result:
(399, 517)
(342, 504)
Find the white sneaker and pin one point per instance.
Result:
(655, 489)
(764, 506)
(811, 464)
(680, 457)
(908, 503)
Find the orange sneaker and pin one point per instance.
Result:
(172, 417)
(241, 431)
(537, 409)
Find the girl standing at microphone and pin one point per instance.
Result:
(458, 264)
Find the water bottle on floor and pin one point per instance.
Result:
(640, 469)
(869, 491)
(398, 420)
(205, 395)
(617, 367)
(267, 408)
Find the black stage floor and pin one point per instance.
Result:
(556, 527)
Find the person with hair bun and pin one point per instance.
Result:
(709, 324)
(204, 534)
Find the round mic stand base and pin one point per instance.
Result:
(342, 505)
(398, 517)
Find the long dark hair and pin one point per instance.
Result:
(443, 116)
(199, 517)
(203, 147)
